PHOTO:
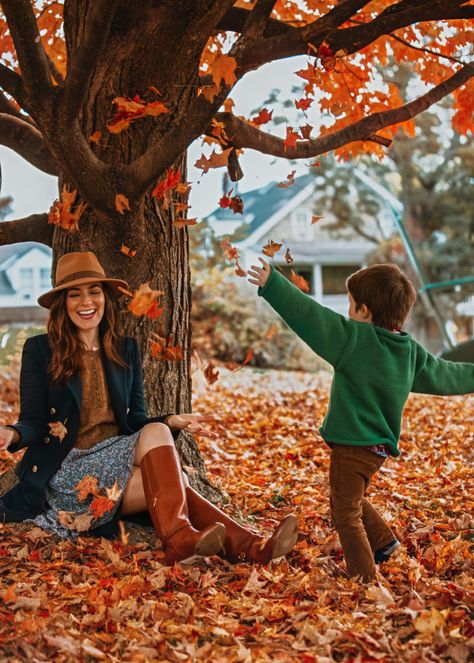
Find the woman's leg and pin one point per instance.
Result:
(165, 496)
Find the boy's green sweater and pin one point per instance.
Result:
(374, 369)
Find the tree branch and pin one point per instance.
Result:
(29, 47)
(7, 106)
(241, 134)
(257, 19)
(26, 141)
(12, 83)
(34, 228)
(84, 58)
(422, 49)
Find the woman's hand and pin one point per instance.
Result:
(6, 436)
(193, 423)
(259, 275)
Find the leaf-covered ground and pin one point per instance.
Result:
(94, 599)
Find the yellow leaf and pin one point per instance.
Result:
(121, 203)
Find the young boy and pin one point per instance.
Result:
(376, 366)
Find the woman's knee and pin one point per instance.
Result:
(152, 436)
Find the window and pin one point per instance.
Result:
(45, 278)
(306, 271)
(301, 227)
(334, 278)
(26, 278)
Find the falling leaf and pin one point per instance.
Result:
(299, 281)
(86, 486)
(62, 214)
(131, 253)
(180, 207)
(101, 505)
(211, 373)
(290, 180)
(263, 117)
(314, 164)
(182, 223)
(288, 257)
(223, 70)
(82, 523)
(303, 104)
(315, 218)
(130, 109)
(228, 105)
(167, 183)
(272, 330)
(291, 137)
(95, 137)
(145, 301)
(271, 248)
(114, 492)
(164, 349)
(58, 429)
(215, 160)
(121, 203)
(306, 130)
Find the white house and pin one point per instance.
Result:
(25, 273)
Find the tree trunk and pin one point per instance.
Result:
(162, 251)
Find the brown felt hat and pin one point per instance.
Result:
(78, 268)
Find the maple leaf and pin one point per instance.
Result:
(290, 180)
(170, 181)
(215, 160)
(145, 301)
(306, 130)
(218, 130)
(182, 223)
(100, 505)
(223, 69)
(114, 492)
(95, 137)
(86, 486)
(315, 218)
(181, 207)
(211, 373)
(61, 212)
(314, 164)
(271, 248)
(164, 350)
(82, 523)
(263, 117)
(299, 281)
(131, 253)
(272, 330)
(183, 187)
(128, 110)
(155, 108)
(58, 429)
(291, 137)
(304, 103)
(228, 105)
(121, 203)
(225, 200)
(288, 257)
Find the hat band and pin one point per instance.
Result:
(80, 275)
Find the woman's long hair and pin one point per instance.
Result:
(67, 349)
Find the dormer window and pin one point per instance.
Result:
(301, 228)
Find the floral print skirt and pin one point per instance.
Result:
(87, 489)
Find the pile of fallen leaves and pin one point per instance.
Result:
(95, 599)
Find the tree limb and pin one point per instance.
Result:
(29, 47)
(241, 134)
(257, 19)
(84, 57)
(7, 106)
(26, 141)
(12, 83)
(34, 228)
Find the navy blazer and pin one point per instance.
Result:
(42, 403)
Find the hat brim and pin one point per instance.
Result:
(47, 299)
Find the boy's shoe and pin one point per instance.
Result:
(382, 554)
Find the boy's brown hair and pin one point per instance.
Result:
(386, 291)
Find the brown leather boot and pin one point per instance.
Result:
(240, 543)
(166, 500)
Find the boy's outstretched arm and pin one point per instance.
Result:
(440, 377)
(325, 331)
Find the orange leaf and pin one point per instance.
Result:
(170, 181)
(86, 486)
(304, 103)
(290, 180)
(291, 137)
(272, 330)
(263, 117)
(216, 160)
(121, 203)
(271, 248)
(182, 223)
(223, 69)
(128, 252)
(61, 213)
(58, 429)
(211, 373)
(144, 301)
(228, 105)
(162, 349)
(155, 108)
(248, 358)
(95, 137)
(300, 282)
(101, 505)
(315, 218)
(306, 130)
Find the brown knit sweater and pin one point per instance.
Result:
(97, 417)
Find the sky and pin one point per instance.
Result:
(33, 191)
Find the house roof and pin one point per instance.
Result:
(261, 204)
(18, 250)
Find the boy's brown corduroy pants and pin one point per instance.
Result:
(361, 529)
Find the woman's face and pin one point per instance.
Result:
(85, 305)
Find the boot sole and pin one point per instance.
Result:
(285, 537)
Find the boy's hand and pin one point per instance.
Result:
(259, 275)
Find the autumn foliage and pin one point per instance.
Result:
(95, 598)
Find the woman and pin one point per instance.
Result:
(92, 453)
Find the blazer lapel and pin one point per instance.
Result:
(74, 384)
(116, 382)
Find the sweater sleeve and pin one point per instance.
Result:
(440, 377)
(325, 331)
